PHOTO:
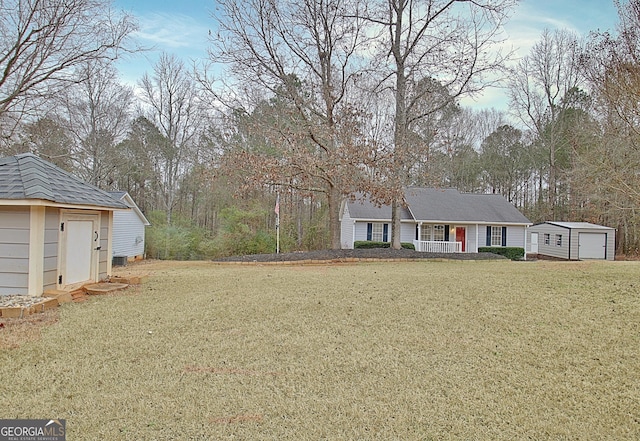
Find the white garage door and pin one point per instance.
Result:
(592, 245)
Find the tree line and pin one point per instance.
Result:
(319, 100)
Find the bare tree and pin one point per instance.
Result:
(42, 42)
(96, 113)
(172, 99)
(539, 90)
(610, 168)
(452, 41)
(304, 56)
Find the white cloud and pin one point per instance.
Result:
(172, 31)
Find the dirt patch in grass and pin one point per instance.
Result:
(412, 350)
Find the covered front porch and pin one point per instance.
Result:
(435, 246)
(441, 238)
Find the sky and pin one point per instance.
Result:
(182, 28)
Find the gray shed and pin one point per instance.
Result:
(572, 240)
(55, 230)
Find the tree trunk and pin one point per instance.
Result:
(333, 196)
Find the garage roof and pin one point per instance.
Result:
(578, 225)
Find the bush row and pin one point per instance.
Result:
(367, 244)
(513, 253)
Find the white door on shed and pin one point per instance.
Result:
(592, 245)
(534, 243)
(79, 244)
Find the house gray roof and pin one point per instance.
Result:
(27, 176)
(445, 205)
(363, 208)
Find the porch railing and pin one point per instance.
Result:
(437, 246)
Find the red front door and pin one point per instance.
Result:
(461, 235)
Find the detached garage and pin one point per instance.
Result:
(572, 240)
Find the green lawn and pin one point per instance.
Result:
(409, 351)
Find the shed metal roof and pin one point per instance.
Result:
(578, 225)
(28, 177)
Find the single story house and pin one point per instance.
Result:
(55, 230)
(128, 229)
(572, 240)
(439, 220)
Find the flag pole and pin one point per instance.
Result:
(277, 211)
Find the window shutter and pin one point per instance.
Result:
(385, 233)
(446, 233)
(417, 232)
(488, 235)
(369, 230)
(504, 236)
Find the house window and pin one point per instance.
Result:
(496, 236)
(558, 240)
(433, 232)
(547, 238)
(425, 232)
(438, 232)
(376, 232)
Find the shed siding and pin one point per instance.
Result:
(570, 240)
(128, 234)
(51, 246)
(551, 249)
(103, 255)
(14, 253)
(610, 249)
(611, 245)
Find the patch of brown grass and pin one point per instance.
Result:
(14, 332)
(420, 350)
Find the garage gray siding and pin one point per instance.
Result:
(551, 249)
(570, 231)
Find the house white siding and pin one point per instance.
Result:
(14, 252)
(128, 234)
(516, 236)
(472, 235)
(407, 232)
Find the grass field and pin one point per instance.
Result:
(390, 351)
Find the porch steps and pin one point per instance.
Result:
(103, 288)
(60, 295)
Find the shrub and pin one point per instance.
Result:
(513, 253)
(179, 241)
(367, 244)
